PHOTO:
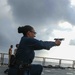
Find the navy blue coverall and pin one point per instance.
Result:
(26, 54)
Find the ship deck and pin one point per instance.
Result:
(47, 71)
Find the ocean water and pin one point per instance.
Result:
(52, 63)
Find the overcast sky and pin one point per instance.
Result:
(50, 18)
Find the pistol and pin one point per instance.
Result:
(61, 39)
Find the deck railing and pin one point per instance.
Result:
(2, 57)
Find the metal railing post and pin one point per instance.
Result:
(59, 62)
(73, 64)
(2, 58)
(43, 63)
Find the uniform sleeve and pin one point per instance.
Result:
(37, 44)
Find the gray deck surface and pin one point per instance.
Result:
(47, 71)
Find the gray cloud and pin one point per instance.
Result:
(38, 12)
(7, 34)
(45, 14)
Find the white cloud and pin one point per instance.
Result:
(65, 25)
(73, 2)
(64, 52)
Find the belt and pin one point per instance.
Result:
(22, 64)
